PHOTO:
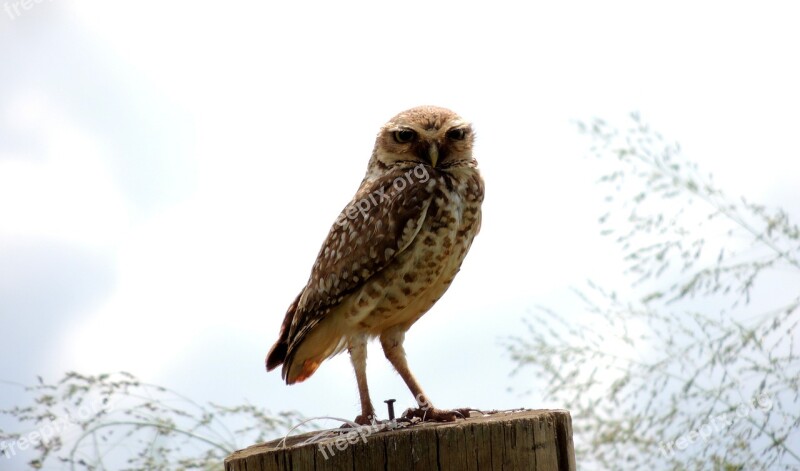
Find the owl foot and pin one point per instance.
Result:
(364, 419)
(431, 414)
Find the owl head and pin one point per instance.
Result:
(427, 135)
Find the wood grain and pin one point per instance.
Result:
(538, 440)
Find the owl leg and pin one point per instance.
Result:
(358, 356)
(392, 343)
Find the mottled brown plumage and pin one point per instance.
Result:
(391, 253)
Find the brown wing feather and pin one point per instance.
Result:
(381, 220)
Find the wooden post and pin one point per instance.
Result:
(513, 440)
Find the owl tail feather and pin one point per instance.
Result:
(277, 355)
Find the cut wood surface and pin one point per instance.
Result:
(505, 440)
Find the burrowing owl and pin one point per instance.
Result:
(391, 253)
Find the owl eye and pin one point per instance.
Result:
(404, 136)
(457, 134)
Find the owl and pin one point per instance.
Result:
(390, 254)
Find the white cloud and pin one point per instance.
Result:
(67, 192)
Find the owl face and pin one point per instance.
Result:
(426, 135)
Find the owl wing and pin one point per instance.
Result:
(381, 221)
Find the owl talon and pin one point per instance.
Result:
(364, 419)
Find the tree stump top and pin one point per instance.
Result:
(500, 440)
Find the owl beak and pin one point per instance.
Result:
(433, 154)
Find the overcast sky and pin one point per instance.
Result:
(169, 171)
